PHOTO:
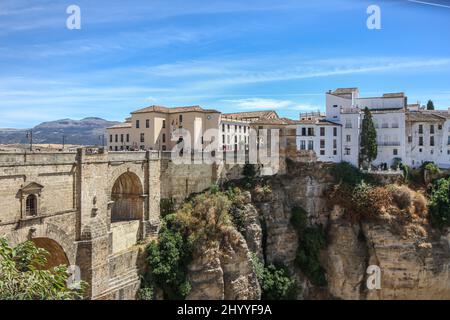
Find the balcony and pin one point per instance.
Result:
(389, 143)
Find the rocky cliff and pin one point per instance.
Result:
(414, 258)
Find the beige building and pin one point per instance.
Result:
(155, 128)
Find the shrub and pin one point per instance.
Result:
(401, 196)
(22, 276)
(167, 206)
(347, 173)
(168, 259)
(439, 203)
(275, 282)
(311, 240)
(368, 201)
(145, 293)
(431, 167)
(249, 171)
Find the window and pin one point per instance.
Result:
(163, 138)
(322, 131)
(347, 151)
(310, 131)
(335, 105)
(245, 129)
(121, 148)
(432, 141)
(110, 138)
(164, 124)
(310, 145)
(223, 127)
(303, 131)
(348, 138)
(117, 138)
(228, 127)
(334, 152)
(420, 141)
(385, 124)
(223, 139)
(121, 137)
(439, 126)
(137, 124)
(420, 129)
(432, 129)
(334, 132)
(147, 123)
(395, 152)
(142, 137)
(302, 145)
(180, 118)
(348, 124)
(322, 152)
(164, 148)
(116, 148)
(322, 144)
(448, 140)
(334, 144)
(409, 139)
(128, 137)
(31, 205)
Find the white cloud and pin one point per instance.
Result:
(264, 103)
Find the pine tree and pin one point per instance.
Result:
(430, 105)
(369, 147)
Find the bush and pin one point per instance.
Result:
(311, 240)
(167, 206)
(168, 259)
(22, 276)
(347, 173)
(368, 201)
(401, 196)
(275, 282)
(431, 167)
(146, 293)
(439, 204)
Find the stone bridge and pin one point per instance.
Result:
(95, 210)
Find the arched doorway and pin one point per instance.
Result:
(127, 197)
(56, 256)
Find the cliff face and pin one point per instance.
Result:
(413, 258)
(411, 268)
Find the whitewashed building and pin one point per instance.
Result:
(405, 133)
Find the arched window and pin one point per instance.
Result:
(31, 205)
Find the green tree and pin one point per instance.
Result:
(22, 276)
(430, 105)
(439, 203)
(369, 147)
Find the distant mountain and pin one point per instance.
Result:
(79, 132)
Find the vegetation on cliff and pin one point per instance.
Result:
(311, 240)
(275, 281)
(23, 277)
(439, 203)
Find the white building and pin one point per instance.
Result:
(405, 133)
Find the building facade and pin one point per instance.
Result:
(405, 133)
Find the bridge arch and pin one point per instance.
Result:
(127, 196)
(57, 256)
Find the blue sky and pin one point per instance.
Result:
(224, 54)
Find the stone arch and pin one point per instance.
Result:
(57, 256)
(127, 196)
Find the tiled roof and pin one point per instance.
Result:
(276, 121)
(162, 109)
(441, 113)
(121, 125)
(423, 116)
(394, 95)
(265, 114)
(344, 90)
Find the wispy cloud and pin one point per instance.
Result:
(430, 3)
(274, 104)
